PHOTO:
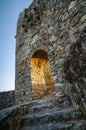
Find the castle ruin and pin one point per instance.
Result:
(50, 65)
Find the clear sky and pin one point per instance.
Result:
(9, 12)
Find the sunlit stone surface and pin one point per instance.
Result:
(41, 76)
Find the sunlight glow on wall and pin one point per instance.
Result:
(41, 77)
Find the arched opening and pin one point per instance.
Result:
(41, 77)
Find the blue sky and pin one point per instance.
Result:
(9, 12)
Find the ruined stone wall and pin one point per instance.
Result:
(7, 99)
(10, 118)
(59, 28)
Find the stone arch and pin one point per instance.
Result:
(41, 76)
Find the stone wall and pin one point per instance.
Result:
(59, 28)
(7, 99)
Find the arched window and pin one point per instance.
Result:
(41, 77)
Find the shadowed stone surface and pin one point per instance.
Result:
(53, 112)
(7, 99)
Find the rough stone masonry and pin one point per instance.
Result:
(50, 86)
(51, 32)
